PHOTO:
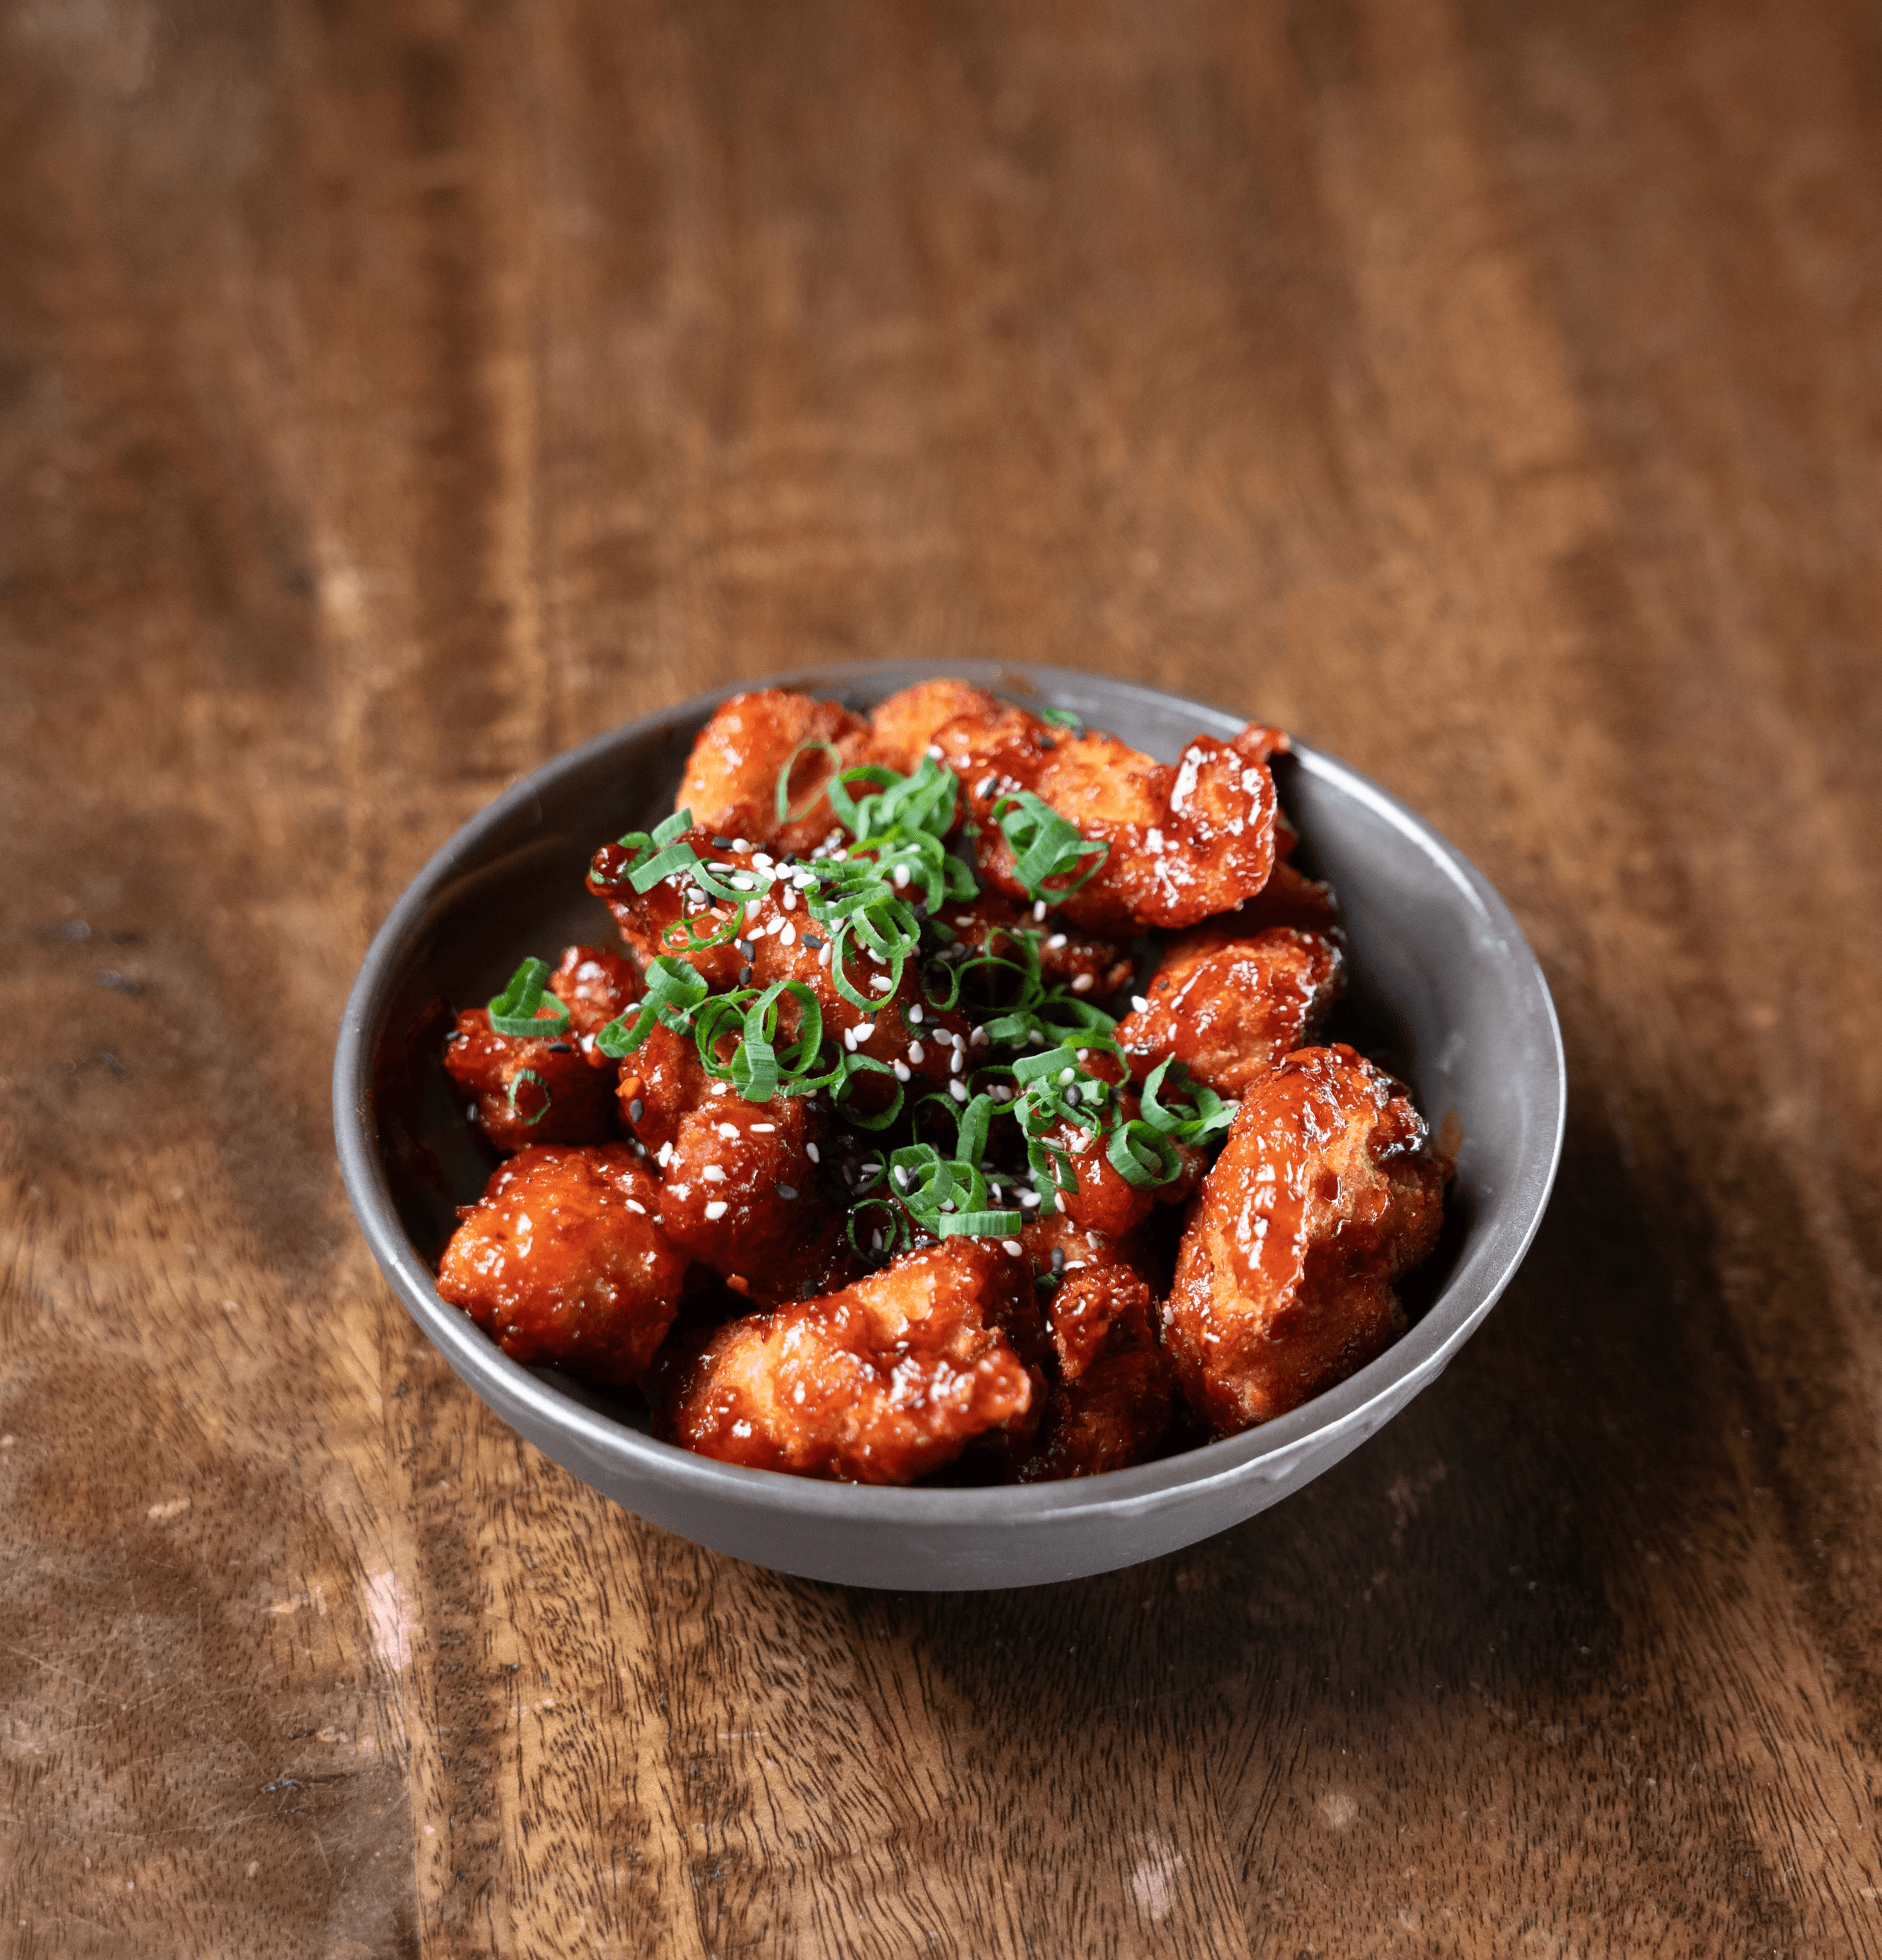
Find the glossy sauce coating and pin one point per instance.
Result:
(1230, 1009)
(903, 727)
(882, 1383)
(562, 1262)
(731, 780)
(1108, 1406)
(1323, 1195)
(596, 984)
(527, 1091)
(1185, 840)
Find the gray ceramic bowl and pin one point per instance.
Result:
(1445, 989)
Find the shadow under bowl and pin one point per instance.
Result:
(1444, 989)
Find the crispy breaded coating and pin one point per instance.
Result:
(596, 984)
(777, 940)
(1324, 1194)
(1186, 839)
(527, 1091)
(881, 1383)
(1108, 1406)
(903, 726)
(1289, 898)
(1231, 1009)
(731, 780)
(562, 1262)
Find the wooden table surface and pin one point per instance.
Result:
(392, 395)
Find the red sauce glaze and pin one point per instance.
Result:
(1230, 1009)
(597, 985)
(1108, 1406)
(562, 1262)
(1324, 1194)
(561, 1100)
(1186, 840)
(884, 1381)
(731, 780)
(1093, 968)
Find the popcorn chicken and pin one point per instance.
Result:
(1324, 1194)
(596, 985)
(904, 727)
(1229, 1009)
(562, 1262)
(1185, 840)
(884, 1381)
(1108, 1406)
(731, 780)
(527, 1090)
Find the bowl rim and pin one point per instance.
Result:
(1265, 1452)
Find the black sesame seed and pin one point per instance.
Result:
(561, 1048)
(787, 1192)
(1044, 740)
(1058, 1261)
(1073, 1094)
(721, 844)
(745, 946)
(744, 976)
(635, 1110)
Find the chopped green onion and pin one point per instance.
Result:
(521, 1076)
(514, 1011)
(980, 1224)
(1208, 1116)
(1143, 1157)
(1046, 847)
(1062, 717)
(674, 989)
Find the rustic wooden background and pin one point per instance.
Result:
(392, 395)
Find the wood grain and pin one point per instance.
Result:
(391, 396)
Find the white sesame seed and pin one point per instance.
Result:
(864, 1030)
(763, 859)
(823, 954)
(1028, 1199)
(935, 749)
(915, 1013)
(741, 844)
(641, 1208)
(900, 874)
(716, 1209)
(789, 900)
(917, 1054)
(1039, 908)
(956, 1062)
(849, 1039)
(713, 1174)
(1056, 942)
(764, 1129)
(1083, 983)
(881, 984)
(787, 935)
(664, 1155)
(901, 1071)
(729, 1130)
(1067, 1075)
(811, 1151)
(958, 1090)
(979, 1037)
(1084, 1054)
(1138, 1002)
(1012, 1246)
(680, 1190)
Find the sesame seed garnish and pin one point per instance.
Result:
(1083, 983)
(636, 1110)
(764, 1129)
(1139, 1003)
(1056, 942)
(788, 934)
(717, 1210)
(935, 749)
(729, 1130)
(958, 1090)
(900, 875)
(633, 1206)
(713, 1174)
(915, 1012)
(902, 1071)
(917, 1054)
(1012, 1246)
(811, 1151)
(956, 1062)
(1039, 908)
(787, 1192)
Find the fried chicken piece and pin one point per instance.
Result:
(739, 1183)
(777, 940)
(1105, 1201)
(731, 779)
(881, 1383)
(1185, 840)
(1095, 968)
(562, 1262)
(903, 729)
(1229, 1009)
(1108, 1405)
(597, 985)
(1325, 1193)
(1290, 897)
(527, 1091)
